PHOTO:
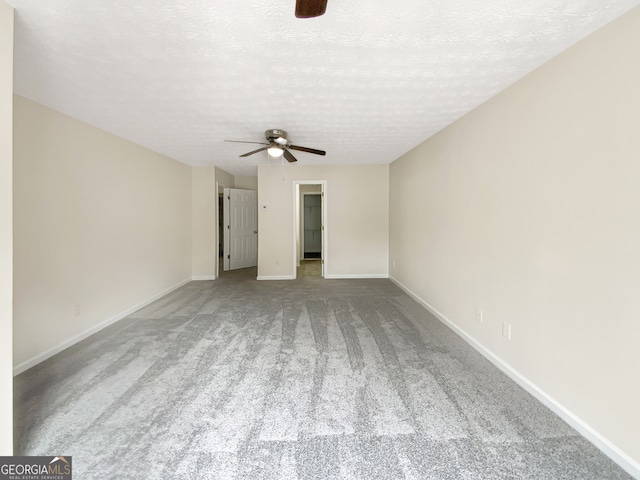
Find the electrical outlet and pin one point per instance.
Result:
(506, 330)
(76, 310)
(394, 264)
(479, 315)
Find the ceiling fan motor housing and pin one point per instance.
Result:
(274, 134)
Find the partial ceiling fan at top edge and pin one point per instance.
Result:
(310, 8)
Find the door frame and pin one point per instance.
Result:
(296, 223)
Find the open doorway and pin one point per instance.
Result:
(220, 232)
(310, 229)
(311, 221)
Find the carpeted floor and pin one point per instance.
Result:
(312, 379)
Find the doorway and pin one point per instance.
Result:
(310, 222)
(221, 252)
(311, 231)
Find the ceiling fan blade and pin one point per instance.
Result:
(242, 141)
(310, 8)
(255, 151)
(288, 156)
(308, 150)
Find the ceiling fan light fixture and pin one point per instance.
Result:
(275, 151)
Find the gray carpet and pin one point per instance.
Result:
(310, 379)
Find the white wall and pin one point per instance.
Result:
(100, 223)
(528, 208)
(204, 210)
(6, 229)
(357, 203)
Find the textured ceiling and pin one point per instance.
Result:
(366, 82)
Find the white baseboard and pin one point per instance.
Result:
(336, 276)
(41, 357)
(275, 277)
(197, 278)
(614, 453)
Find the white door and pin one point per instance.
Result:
(241, 228)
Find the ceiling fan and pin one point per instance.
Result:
(310, 8)
(277, 144)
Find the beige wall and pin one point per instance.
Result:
(6, 229)
(357, 204)
(224, 179)
(101, 225)
(246, 183)
(203, 223)
(528, 208)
